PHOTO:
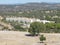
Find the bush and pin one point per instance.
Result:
(42, 38)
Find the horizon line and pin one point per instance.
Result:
(27, 3)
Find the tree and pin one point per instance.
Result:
(42, 38)
(19, 28)
(50, 27)
(35, 28)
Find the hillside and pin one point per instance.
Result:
(36, 10)
(29, 6)
(19, 38)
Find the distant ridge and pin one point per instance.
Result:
(29, 6)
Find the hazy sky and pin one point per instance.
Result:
(26, 1)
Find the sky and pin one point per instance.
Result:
(26, 1)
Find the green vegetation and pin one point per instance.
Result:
(19, 28)
(42, 38)
(35, 28)
(41, 14)
(53, 27)
(51, 15)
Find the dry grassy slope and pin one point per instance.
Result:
(16, 38)
(6, 25)
(52, 38)
(19, 38)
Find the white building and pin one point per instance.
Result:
(26, 20)
(23, 19)
(45, 21)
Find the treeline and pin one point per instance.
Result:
(52, 27)
(44, 28)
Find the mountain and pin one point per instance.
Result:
(29, 6)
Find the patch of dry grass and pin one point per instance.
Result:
(16, 38)
(19, 38)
